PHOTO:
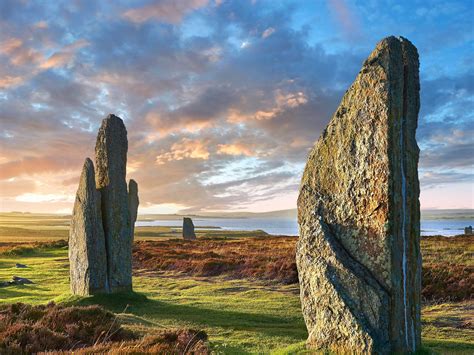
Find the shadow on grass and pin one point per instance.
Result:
(14, 291)
(448, 346)
(139, 305)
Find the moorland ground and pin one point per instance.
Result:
(239, 287)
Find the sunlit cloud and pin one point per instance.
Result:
(168, 11)
(63, 56)
(268, 32)
(36, 198)
(234, 149)
(186, 148)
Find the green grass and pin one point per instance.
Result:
(240, 316)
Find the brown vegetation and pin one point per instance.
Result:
(92, 329)
(448, 271)
(267, 258)
(26, 328)
(448, 268)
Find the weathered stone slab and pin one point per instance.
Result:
(133, 202)
(188, 229)
(111, 162)
(87, 254)
(358, 254)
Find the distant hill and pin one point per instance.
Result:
(291, 213)
(467, 214)
(447, 214)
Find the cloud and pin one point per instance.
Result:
(345, 17)
(167, 11)
(210, 125)
(281, 102)
(268, 32)
(234, 149)
(35, 198)
(186, 148)
(8, 81)
(63, 56)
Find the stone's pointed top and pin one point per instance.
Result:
(88, 164)
(392, 48)
(111, 119)
(87, 177)
(133, 202)
(132, 185)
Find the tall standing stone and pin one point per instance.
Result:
(188, 229)
(133, 203)
(111, 161)
(87, 254)
(358, 254)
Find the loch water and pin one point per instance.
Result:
(289, 226)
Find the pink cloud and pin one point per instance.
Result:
(186, 148)
(63, 56)
(235, 149)
(168, 11)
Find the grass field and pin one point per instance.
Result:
(240, 315)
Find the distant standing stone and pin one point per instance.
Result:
(468, 230)
(111, 163)
(87, 253)
(133, 203)
(358, 254)
(188, 229)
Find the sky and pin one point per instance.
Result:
(222, 99)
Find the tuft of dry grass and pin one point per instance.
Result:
(179, 341)
(31, 329)
(58, 329)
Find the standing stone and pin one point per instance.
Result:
(358, 255)
(133, 203)
(87, 254)
(111, 161)
(188, 229)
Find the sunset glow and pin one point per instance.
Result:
(222, 100)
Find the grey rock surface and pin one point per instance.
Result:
(358, 255)
(16, 280)
(111, 162)
(87, 253)
(188, 229)
(133, 202)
